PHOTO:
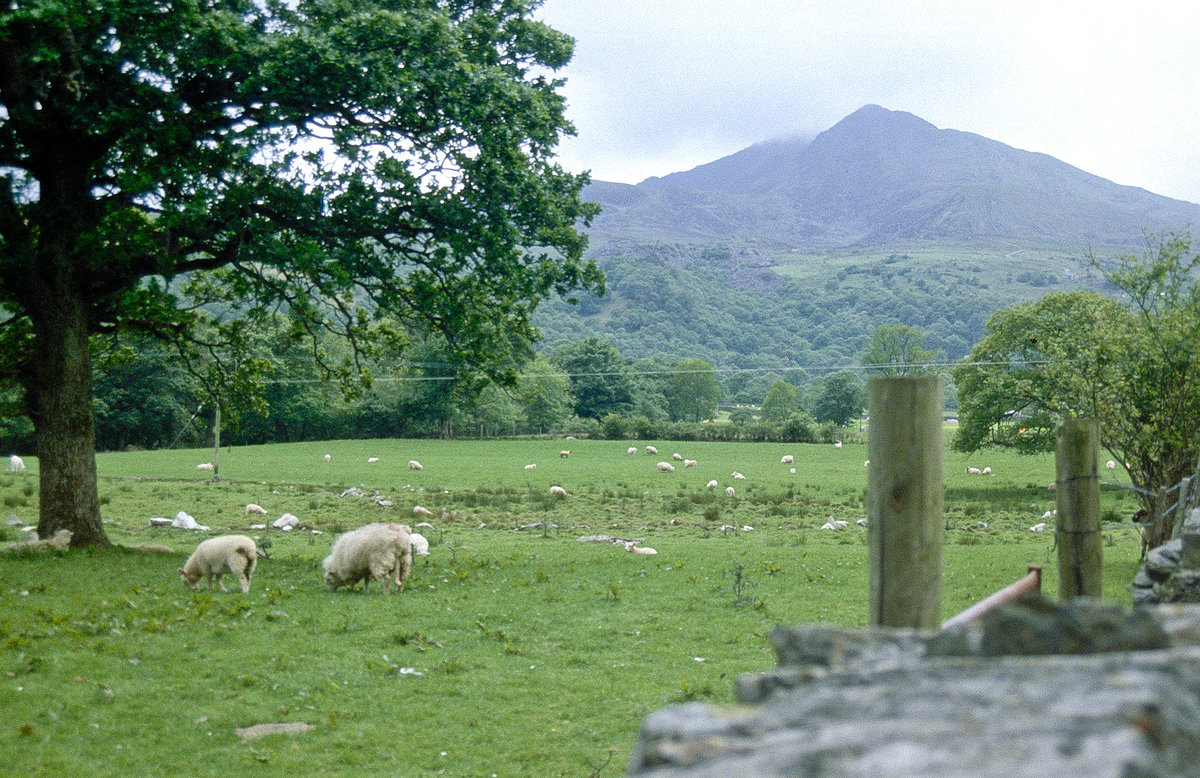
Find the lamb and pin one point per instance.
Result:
(787, 459)
(328, 457)
(677, 457)
(711, 484)
(837, 444)
(213, 558)
(565, 453)
(372, 551)
(60, 541)
(651, 450)
(666, 467)
(1111, 464)
(253, 508)
(372, 460)
(532, 466)
(205, 466)
(974, 471)
(558, 491)
(986, 471)
(729, 491)
(421, 511)
(631, 450)
(16, 464)
(632, 547)
(414, 465)
(418, 543)
(738, 476)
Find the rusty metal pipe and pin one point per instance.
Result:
(1030, 583)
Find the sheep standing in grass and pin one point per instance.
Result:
(711, 484)
(666, 467)
(690, 463)
(558, 491)
(729, 491)
(16, 464)
(254, 508)
(418, 544)
(205, 466)
(631, 450)
(373, 551)
(213, 558)
(787, 459)
(564, 453)
(651, 450)
(414, 465)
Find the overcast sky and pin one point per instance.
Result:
(659, 86)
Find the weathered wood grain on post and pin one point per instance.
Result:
(1077, 451)
(905, 503)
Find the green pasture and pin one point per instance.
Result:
(515, 648)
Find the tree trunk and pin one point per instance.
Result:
(64, 422)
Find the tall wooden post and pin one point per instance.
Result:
(905, 500)
(1078, 500)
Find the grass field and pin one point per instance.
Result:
(511, 651)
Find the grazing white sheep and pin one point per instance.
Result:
(690, 463)
(328, 457)
(738, 476)
(837, 444)
(863, 522)
(372, 460)
(987, 471)
(16, 464)
(414, 465)
(711, 484)
(60, 541)
(255, 508)
(792, 470)
(973, 471)
(1111, 465)
(1039, 527)
(531, 466)
(666, 467)
(205, 466)
(677, 457)
(833, 523)
(631, 450)
(633, 548)
(651, 450)
(1049, 514)
(373, 551)
(787, 459)
(866, 463)
(558, 491)
(565, 453)
(213, 558)
(729, 491)
(421, 511)
(418, 543)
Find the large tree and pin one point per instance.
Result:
(897, 349)
(600, 379)
(693, 391)
(185, 168)
(1132, 363)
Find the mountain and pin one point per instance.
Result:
(879, 177)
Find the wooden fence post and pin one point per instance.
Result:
(1078, 499)
(906, 492)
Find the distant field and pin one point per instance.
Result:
(511, 651)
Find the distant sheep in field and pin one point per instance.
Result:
(531, 466)
(666, 467)
(418, 544)
(792, 470)
(414, 465)
(372, 460)
(651, 450)
(558, 491)
(205, 466)
(866, 463)
(711, 484)
(328, 457)
(420, 511)
(837, 444)
(690, 463)
(633, 548)
(833, 523)
(254, 508)
(213, 558)
(677, 457)
(564, 453)
(16, 464)
(974, 471)
(631, 450)
(729, 491)
(374, 551)
(987, 471)
(787, 459)
(1111, 465)
(738, 476)
(1039, 527)
(60, 541)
